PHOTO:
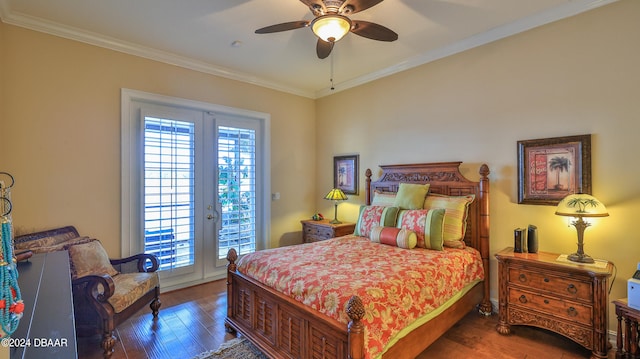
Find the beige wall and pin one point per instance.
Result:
(61, 132)
(575, 76)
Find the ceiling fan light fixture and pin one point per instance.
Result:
(331, 28)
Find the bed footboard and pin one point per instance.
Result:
(283, 328)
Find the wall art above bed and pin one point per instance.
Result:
(552, 168)
(345, 173)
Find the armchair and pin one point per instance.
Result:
(108, 291)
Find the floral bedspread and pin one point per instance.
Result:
(397, 286)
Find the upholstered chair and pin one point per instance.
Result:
(108, 291)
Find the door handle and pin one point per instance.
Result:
(213, 215)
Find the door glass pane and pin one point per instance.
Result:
(169, 191)
(237, 190)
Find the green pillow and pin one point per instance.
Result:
(411, 196)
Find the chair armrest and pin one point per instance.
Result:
(99, 287)
(145, 262)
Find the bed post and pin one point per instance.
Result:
(232, 256)
(367, 186)
(355, 329)
(485, 306)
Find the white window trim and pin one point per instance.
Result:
(128, 163)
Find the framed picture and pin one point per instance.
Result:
(345, 173)
(552, 168)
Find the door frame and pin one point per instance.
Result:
(130, 201)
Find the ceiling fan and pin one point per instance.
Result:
(331, 23)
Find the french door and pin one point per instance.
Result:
(201, 191)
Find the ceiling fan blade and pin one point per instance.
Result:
(358, 5)
(323, 48)
(283, 27)
(373, 31)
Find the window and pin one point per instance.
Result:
(236, 190)
(169, 199)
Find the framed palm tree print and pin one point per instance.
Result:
(552, 168)
(345, 173)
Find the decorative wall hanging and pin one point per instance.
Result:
(552, 168)
(345, 173)
(11, 305)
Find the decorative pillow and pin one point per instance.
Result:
(375, 216)
(455, 218)
(411, 195)
(386, 199)
(397, 237)
(90, 259)
(428, 224)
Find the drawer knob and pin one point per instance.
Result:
(572, 289)
(523, 299)
(572, 312)
(522, 277)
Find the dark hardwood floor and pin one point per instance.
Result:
(192, 321)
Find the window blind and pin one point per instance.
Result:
(169, 161)
(237, 190)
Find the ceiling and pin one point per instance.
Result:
(217, 36)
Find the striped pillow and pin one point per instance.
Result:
(428, 224)
(455, 218)
(375, 216)
(383, 198)
(397, 237)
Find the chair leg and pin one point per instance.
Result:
(108, 344)
(156, 303)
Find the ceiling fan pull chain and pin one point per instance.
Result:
(332, 87)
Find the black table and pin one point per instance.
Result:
(47, 328)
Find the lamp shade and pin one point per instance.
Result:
(336, 194)
(581, 205)
(331, 28)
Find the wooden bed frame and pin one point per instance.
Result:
(284, 328)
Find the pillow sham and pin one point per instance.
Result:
(428, 224)
(392, 236)
(386, 199)
(89, 259)
(375, 216)
(455, 218)
(411, 195)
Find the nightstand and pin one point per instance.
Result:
(536, 289)
(313, 231)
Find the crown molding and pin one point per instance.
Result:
(569, 9)
(72, 33)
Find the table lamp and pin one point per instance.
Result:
(581, 205)
(335, 195)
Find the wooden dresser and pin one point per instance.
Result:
(567, 298)
(47, 328)
(313, 231)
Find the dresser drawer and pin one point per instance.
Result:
(313, 231)
(559, 307)
(318, 231)
(565, 287)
